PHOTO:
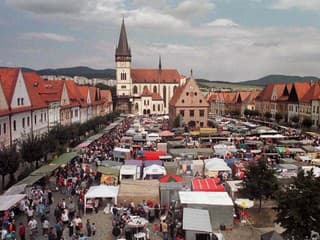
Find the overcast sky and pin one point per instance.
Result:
(227, 40)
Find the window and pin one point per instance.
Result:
(123, 86)
(4, 128)
(191, 113)
(123, 76)
(314, 109)
(71, 114)
(195, 93)
(154, 107)
(187, 93)
(201, 124)
(45, 117)
(21, 101)
(28, 121)
(182, 113)
(14, 125)
(200, 101)
(135, 89)
(154, 89)
(182, 100)
(35, 119)
(76, 113)
(18, 101)
(317, 109)
(158, 107)
(41, 117)
(23, 123)
(165, 95)
(201, 113)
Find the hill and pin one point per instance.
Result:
(279, 79)
(77, 71)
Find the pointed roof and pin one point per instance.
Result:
(146, 92)
(123, 46)
(156, 96)
(298, 90)
(312, 94)
(8, 78)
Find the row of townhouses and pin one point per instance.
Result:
(299, 99)
(222, 103)
(30, 104)
(82, 80)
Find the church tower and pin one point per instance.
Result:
(123, 65)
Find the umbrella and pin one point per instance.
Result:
(166, 133)
(170, 178)
(244, 202)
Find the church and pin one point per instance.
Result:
(143, 90)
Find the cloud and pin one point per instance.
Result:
(49, 6)
(190, 9)
(47, 36)
(313, 5)
(222, 22)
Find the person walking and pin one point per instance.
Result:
(22, 231)
(164, 228)
(88, 226)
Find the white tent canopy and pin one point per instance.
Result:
(275, 136)
(154, 170)
(205, 198)
(16, 189)
(216, 165)
(7, 201)
(196, 220)
(128, 170)
(101, 191)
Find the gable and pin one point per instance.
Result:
(3, 100)
(191, 96)
(20, 97)
(64, 96)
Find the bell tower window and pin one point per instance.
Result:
(123, 76)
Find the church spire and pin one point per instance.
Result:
(123, 51)
(160, 66)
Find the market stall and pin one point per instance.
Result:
(207, 185)
(129, 172)
(109, 175)
(219, 205)
(215, 167)
(154, 172)
(137, 191)
(101, 191)
(121, 154)
(8, 201)
(196, 223)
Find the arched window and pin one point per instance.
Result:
(124, 76)
(135, 89)
(155, 89)
(154, 107)
(158, 107)
(165, 96)
(137, 107)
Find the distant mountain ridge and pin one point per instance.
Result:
(279, 79)
(77, 71)
(111, 74)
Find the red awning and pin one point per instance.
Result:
(171, 178)
(152, 155)
(207, 185)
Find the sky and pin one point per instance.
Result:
(225, 40)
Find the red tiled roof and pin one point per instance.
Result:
(152, 76)
(146, 92)
(302, 88)
(156, 96)
(173, 101)
(8, 78)
(75, 96)
(106, 95)
(33, 80)
(312, 94)
(51, 90)
(266, 93)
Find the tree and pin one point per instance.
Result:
(307, 122)
(298, 209)
(177, 121)
(31, 149)
(267, 115)
(259, 181)
(294, 119)
(9, 163)
(278, 117)
(247, 112)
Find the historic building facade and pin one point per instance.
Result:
(142, 91)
